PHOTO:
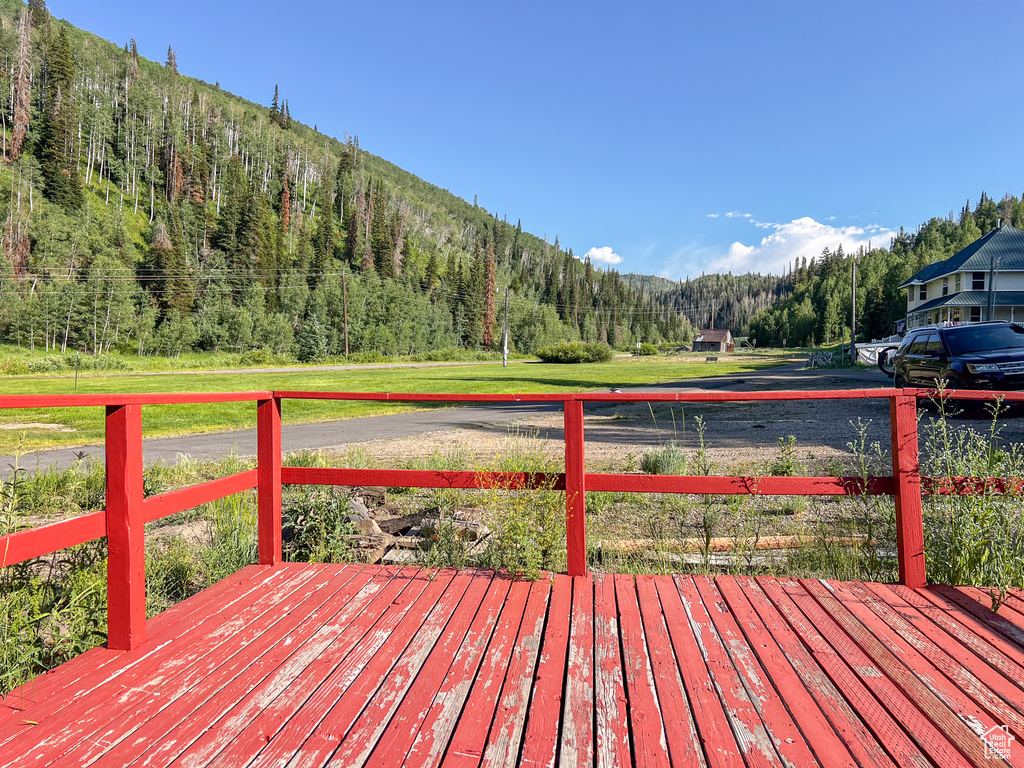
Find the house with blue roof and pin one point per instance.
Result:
(957, 290)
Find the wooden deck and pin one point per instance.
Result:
(310, 665)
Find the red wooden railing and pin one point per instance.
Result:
(127, 512)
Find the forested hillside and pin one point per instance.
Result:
(818, 308)
(716, 301)
(151, 212)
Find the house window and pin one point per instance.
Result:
(975, 314)
(978, 281)
(945, 286)
(956, 283)
(924, 293)
(954, 315)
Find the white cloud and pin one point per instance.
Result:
(792, 240)
(738, 215)
(713, 215)
(603, 255)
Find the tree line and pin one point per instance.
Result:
(818, 307)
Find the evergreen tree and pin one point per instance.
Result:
(59, 124)
(432, 274)
(172, 61)
(490, 288)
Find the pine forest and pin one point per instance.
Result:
(149, 212)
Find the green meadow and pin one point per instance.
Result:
(30, 429)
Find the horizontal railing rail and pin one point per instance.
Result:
(123, 520)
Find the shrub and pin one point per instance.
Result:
(667, 459)
(318, 527)
(647, 349)
(575, 352)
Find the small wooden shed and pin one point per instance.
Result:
(714, 340)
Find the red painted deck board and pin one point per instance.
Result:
(313, 665)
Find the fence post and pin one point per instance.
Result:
(575, 496)
(126, 532)
(268, 479)
(906, 472)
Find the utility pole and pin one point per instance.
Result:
(344, 303)
(991, 313)
(853, 315)
(504, 334)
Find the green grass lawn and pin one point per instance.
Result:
(34, 429)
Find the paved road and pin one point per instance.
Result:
(327, 435)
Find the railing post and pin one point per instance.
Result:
(575, 493)
(906, 472)
(126, 532)
(268, 478)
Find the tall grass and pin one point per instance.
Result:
(976, 539)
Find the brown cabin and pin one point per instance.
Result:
(713, 341)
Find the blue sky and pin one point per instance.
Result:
(671, 138)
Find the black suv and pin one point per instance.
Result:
(978, 356)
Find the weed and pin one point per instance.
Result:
(232, 531)
(527, 526)
(318, 527)
(975, 539)
(786, 464)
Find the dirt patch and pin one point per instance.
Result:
(738, 437)
(37, 426)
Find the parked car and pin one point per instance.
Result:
(978, 356)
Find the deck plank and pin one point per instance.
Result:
(469, 737)
(850, 680)
(269, 708)
(713, 729)
(807, 715)
(976, 620)
(1011, 609)
(65, 685)
(793, 746)
(684, 747)
(358, 645)
(612, 738)
(577, 745)
(314, 665)
(425, 660)
(120, 689)
(433, 726)
(505, 736)
(312, 735)
(650, 744)
(358, 620)
(930, 738)
(752, 736)
(1002, 664)
(180, 707)
(919, 672)
(541, 734)
(957, 661)
(856, 737)
(231, 709)
(994, 621)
